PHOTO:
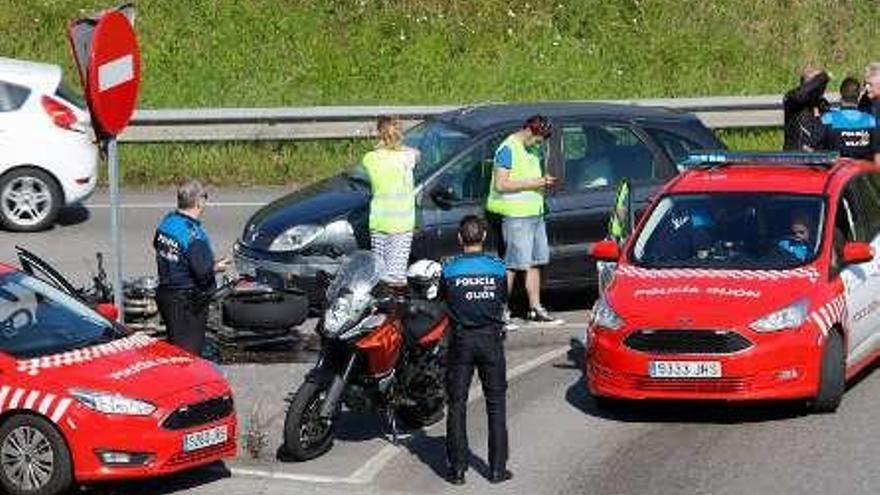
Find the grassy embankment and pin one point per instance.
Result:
(309, 52)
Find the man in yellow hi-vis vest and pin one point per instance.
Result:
(517, 195)
(392, 208)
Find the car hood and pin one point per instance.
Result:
(136, 366)
(698, 298)
(318, 203)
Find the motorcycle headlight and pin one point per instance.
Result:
(791, 316)
(111, 403)
(604, 315)
(338, 314)
(296, 237)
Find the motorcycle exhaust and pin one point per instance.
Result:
(334, 394)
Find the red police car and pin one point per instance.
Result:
(82, 399)
(751, 276)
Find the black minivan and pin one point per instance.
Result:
(299, 240)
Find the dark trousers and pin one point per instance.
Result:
(185, 317)
(485, 352)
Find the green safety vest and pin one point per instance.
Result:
(523, 203)
(393, 206)
(616, 224)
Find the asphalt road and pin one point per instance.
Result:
(561, 442)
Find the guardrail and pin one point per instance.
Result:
(335, 122)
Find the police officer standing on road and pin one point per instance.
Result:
(848, 130)
(475, 288)
(186, 267)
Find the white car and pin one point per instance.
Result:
(48, 155)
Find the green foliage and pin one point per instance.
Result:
(312, 52)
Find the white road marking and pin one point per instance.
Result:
(165, 206)
(374, 465)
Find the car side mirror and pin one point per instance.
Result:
(443, 195)
(606, 250)
(108, 310)
(857, 252)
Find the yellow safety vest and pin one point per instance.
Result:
(393, 207)
(523, 203)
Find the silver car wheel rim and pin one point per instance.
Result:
(26, 200)
(27, 458)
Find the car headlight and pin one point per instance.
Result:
(301, 236)
(296, 237)
(111, 403)
(604, 316)
(791, 316)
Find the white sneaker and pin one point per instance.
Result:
(540, 315)
(509, 325)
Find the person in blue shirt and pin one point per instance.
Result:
(186, 267)
(797, 243)
(474, 286)
(851, 132)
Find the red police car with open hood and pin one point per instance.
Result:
(751, 276)
(82, 399)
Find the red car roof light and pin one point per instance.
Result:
(61, 115)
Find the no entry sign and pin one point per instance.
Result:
(106, 52)
(109, 61)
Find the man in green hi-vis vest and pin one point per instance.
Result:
(517, 196)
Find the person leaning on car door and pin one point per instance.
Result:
(186, 267)
(516, 194)
(392, 207)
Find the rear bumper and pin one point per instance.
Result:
(780, 367)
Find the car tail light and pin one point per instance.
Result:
(61, 115)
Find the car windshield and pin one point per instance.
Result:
(436, 142)
(731, 231)
(37, 320)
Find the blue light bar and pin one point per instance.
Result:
(723, 157)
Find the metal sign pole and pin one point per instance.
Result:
(115, 236)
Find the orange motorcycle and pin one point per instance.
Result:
(379, 353)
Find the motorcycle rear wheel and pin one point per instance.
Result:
(420, 416)
(306, 434)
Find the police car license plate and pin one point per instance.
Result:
(205, 438)
(684, 369)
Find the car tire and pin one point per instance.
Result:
(29, 200)
(55, 474)
(832, 377)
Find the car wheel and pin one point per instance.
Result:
(832, 380)
(34, 459)
(29, 200)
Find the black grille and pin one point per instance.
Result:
(687, 341)
(199, 414)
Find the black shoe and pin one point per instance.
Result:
(455, 476)
(500, 475)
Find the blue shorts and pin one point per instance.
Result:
(525, 242)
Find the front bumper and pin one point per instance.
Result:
(309, 273)
(95, 432)
(778, 366)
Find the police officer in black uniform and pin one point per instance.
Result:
(186, 267)
(850, 131)
(475, 288)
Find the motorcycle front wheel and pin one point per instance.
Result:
(306, 434)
